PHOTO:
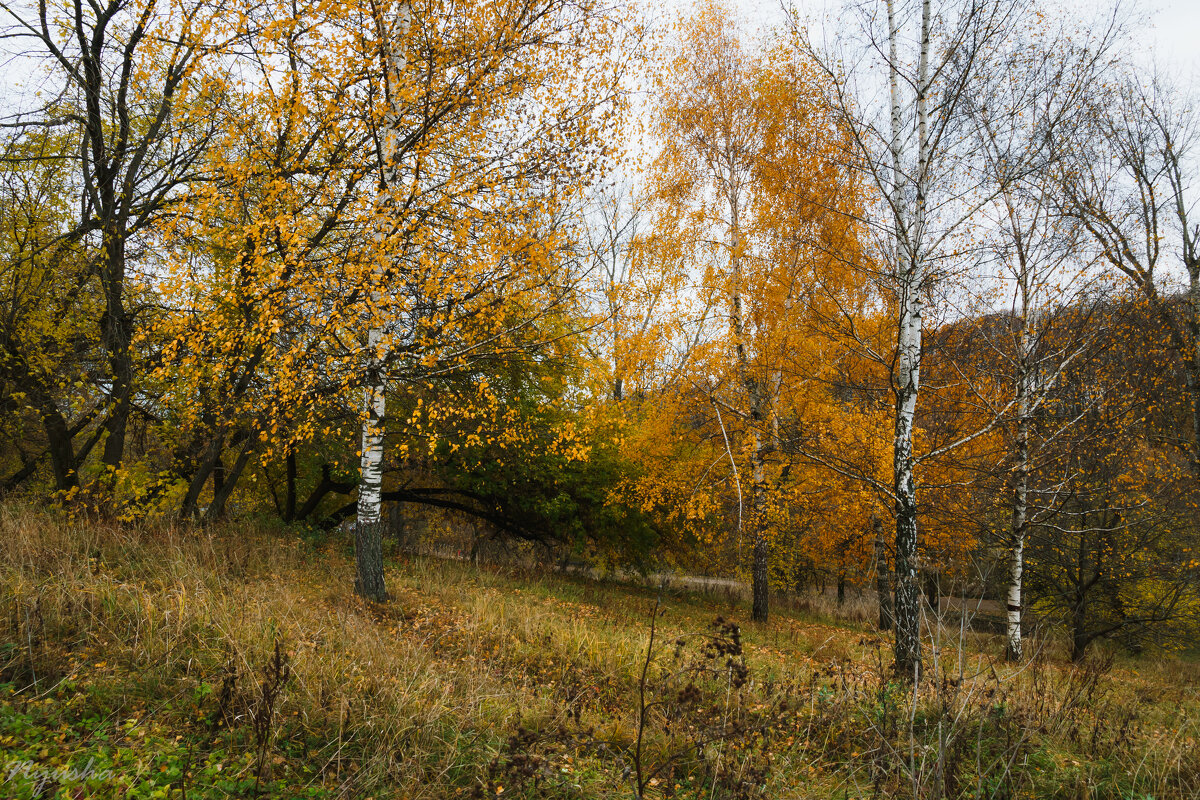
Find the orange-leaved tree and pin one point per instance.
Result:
(388, 207)
(753, 201)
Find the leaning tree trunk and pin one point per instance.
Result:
(228, 480)
(58, 440)
(368, 537)
(190, 506)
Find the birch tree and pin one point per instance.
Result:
(489, 123)
(368, 556)
(1023, 130)
(931, 59)
(708, 122)
(736, 122)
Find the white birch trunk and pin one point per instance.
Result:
(1020, 508)
(374, 410)
(1013, 649)
(369, 581)
(1026, 389)
(908, 229)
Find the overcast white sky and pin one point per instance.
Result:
(1171, 27)
(1176, 31)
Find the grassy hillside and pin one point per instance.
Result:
(187, 663)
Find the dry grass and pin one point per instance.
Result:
(434, 693)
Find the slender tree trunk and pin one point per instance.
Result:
(761, 580)
(883, 576)
(907, 607)
(1012, 650)
(1020, 489)
(760, 572)
(1079, 636)
(218, 478)
(368, 536)
(908, 600)
(289, 500)
(117, 336)
(841, 589)
(933, 591)
(908, 231)
(618, 377)
(368, 530)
